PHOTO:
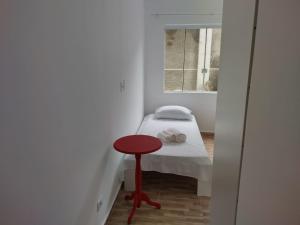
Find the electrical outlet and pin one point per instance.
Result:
(122, 86)
(98, 205)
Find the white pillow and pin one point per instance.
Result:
(174, 112)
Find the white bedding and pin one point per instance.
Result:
(187, 159)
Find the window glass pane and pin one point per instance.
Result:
(190, 80)
(174, 49)
(209, 59)
(192, 58)
(211, 84)
(201, 73)
(173, 80)
(174, 59)
(191, 49)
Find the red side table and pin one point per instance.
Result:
(138, 145)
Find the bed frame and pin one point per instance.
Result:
(151, 126)
(203, 188)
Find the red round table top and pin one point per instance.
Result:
(137, 144)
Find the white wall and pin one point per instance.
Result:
(270, 185)
(203, 105)
(61, 62)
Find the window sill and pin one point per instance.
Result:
(191, 92)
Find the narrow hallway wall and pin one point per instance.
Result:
(61, 65)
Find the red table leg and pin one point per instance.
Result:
(138, 196)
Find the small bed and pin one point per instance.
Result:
(187, 159)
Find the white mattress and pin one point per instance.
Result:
(187, 159)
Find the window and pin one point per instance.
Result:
(192, 58)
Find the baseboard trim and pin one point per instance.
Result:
(111, 204)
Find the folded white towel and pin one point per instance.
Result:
(172, 135)
(166, 136)
(179, 136)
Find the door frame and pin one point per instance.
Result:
(238, 27)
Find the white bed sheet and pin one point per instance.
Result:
(186, 159)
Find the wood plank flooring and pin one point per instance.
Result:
(177, 195)
(208, 139)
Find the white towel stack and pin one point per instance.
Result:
(172, 135)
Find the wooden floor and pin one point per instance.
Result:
(208, 139)
(177, 195)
